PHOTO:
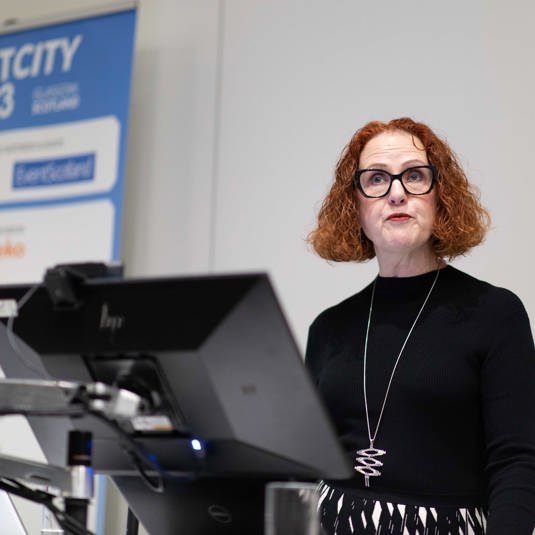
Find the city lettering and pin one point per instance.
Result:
(35, 59)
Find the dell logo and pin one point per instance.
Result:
(220, 514)
(108, 321)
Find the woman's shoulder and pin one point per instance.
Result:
(466, 287)
(347, 308)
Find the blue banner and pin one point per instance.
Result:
(64, 99)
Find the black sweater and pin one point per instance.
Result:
(459, 423)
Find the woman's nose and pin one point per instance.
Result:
(397, 194)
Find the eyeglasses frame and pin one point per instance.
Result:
(358, 172)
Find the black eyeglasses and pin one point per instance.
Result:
(376, 183)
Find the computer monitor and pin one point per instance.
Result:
(215, 358)
(213, 354)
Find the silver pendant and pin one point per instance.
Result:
(368, 462)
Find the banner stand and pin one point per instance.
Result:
(64, 100)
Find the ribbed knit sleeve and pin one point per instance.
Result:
(508, 401)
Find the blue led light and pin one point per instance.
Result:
(196, 445)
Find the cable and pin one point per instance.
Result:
(140, 459)
(67, 523)
(143, 460)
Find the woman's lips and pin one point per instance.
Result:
(398, 218)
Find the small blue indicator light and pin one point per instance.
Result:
(196, 445)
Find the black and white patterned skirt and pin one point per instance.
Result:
(343, 512)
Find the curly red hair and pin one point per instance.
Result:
(461, 222)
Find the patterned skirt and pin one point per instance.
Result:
(343, 512)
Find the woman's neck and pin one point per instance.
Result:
(408, 265)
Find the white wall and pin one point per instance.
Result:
(169, 175)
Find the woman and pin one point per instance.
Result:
(428, 373)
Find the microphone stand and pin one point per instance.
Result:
(82, 479)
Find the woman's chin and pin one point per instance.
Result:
(403, 247)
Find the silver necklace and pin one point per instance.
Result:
(367, 462)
